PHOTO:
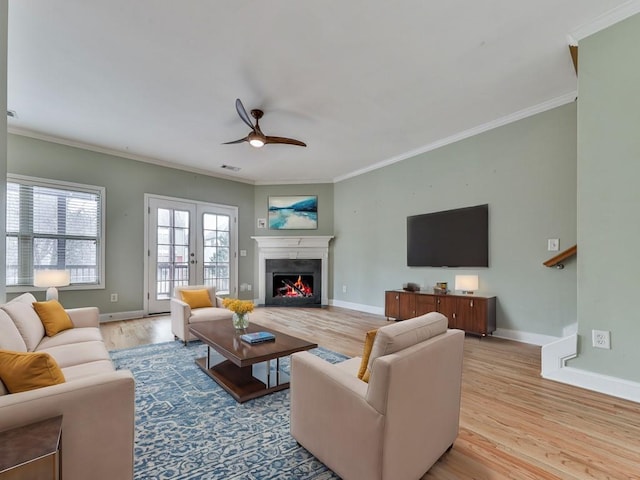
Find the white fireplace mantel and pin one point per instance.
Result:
(308, 247)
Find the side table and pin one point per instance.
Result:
(32, 451)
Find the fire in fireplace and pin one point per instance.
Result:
(293, 282)
(290, 286)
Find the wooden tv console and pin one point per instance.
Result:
(470, 313)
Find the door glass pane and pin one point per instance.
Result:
(181, 254)
(181, 219)
(223, 239)
(164, 217)
(173, 251)
(164, 235)
(223, 223)
(181, 236)
(216, 250)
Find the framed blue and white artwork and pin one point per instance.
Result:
(293, 212)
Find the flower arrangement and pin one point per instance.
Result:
(239, 307)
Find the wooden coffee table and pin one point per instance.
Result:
(245, 370)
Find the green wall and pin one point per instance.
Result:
(608, 199)
(324, 191)
(126, 181)
(525, 171)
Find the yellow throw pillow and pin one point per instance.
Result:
(22, 371)
(196, 298)
(363, 373)
(53, 317)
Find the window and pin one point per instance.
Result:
(54, 225)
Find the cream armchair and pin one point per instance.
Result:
(182, 315)
(400, 423)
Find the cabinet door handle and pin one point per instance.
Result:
(471, 303)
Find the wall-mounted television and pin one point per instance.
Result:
(451, 238)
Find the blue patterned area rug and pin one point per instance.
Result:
(188, 427)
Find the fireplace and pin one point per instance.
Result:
(293, 282)
(294, 248)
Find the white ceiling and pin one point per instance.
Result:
(363, 83)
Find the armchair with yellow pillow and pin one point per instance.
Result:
(54, 362)
(390, 416)
(194, 304)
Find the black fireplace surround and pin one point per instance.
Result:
(293, 282)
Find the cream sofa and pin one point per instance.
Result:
(182, 315)
(96, 401)
(400, 423)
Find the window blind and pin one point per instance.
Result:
(53, 225)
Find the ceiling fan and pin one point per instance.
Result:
(256, 138)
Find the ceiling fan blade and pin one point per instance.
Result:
(236, 141)
(243, 114)
(288, 141)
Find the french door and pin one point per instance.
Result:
(188, 243)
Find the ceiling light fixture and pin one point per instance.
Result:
(256, 140)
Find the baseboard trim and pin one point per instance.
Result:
(357, 306)
(616, 387)
(524, 337)
(554, 359)
(117, 316)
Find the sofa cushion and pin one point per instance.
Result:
(400, 335)
(27, 321)
(196, 298)
(211, 313)
(53, 317)
(23, 371)
(74, 335)
(363, 372)
(10, 338)
(78, 353)
(89, 369)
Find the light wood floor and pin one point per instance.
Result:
(513, 423)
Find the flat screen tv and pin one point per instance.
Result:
(452, 238)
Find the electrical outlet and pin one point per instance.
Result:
(114, 297)
(601, 339)
(344, 289)
(553, 244)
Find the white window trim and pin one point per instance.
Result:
(47, 182)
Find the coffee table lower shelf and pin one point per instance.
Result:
(241, 382)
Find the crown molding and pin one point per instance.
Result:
(514, 117)
(117, 153)
(607, 19)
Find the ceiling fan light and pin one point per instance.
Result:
(256, 140)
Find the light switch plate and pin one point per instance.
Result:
(553, 244)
